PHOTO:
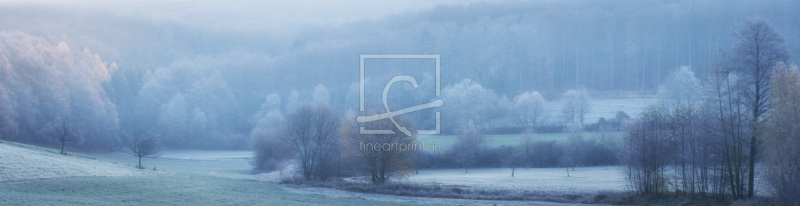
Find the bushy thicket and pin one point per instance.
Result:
(707, 138)
(269, 152)
(782, 156)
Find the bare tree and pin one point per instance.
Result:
(515, 159)
(312, 133)
(526, 147)
(269, 152)
(680, 94)
(64, 135)
(380, 156)
(757, 49)
(469, 145)
(647, 151)
(692, 152)
(575, 152)
(144, 144)
(529, 109)
(576, 106)
(727, 124)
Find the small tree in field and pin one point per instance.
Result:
(575, 151)
(64, 135)
(516, 157)
(144, 144)
(576, 106)
(469, 145)
(521, 155)
(529, 109)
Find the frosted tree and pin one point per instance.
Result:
(64, 135)
(469, 145)
(576, 106)
(468, 101)
(528, 108)
(44, 81)
(646, 152)
(321, 95)
(758, 48)
(782, 134)
(575, 151)
(681, 88)
(312, 132)
(379, 156)
(174, 119)
(143, 144)
(271, 102)
(728, 123)
(270, 152)
(293, 101)
(527, 147)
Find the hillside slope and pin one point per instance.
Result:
(19, 162)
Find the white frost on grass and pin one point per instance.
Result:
(229, 164)
(335, 193)
(206, 155)
(22, 162)
(582, 179)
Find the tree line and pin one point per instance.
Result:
(715, 136)
(709, 137)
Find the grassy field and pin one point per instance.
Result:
(446, 141)
(31, 175)
(174, 189)
(580, 179)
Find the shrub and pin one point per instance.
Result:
(270, 153)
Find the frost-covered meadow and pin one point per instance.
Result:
(19, 162)
(31, 175)
(580, 179)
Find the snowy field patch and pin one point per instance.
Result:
(20, 162)
(582, 179)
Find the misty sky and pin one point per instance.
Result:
(269, 16)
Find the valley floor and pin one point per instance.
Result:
(32, 175)
(580, 179)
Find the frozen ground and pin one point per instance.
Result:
(19, 162)
(582, 179)
(231, 164)
(39, 176)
